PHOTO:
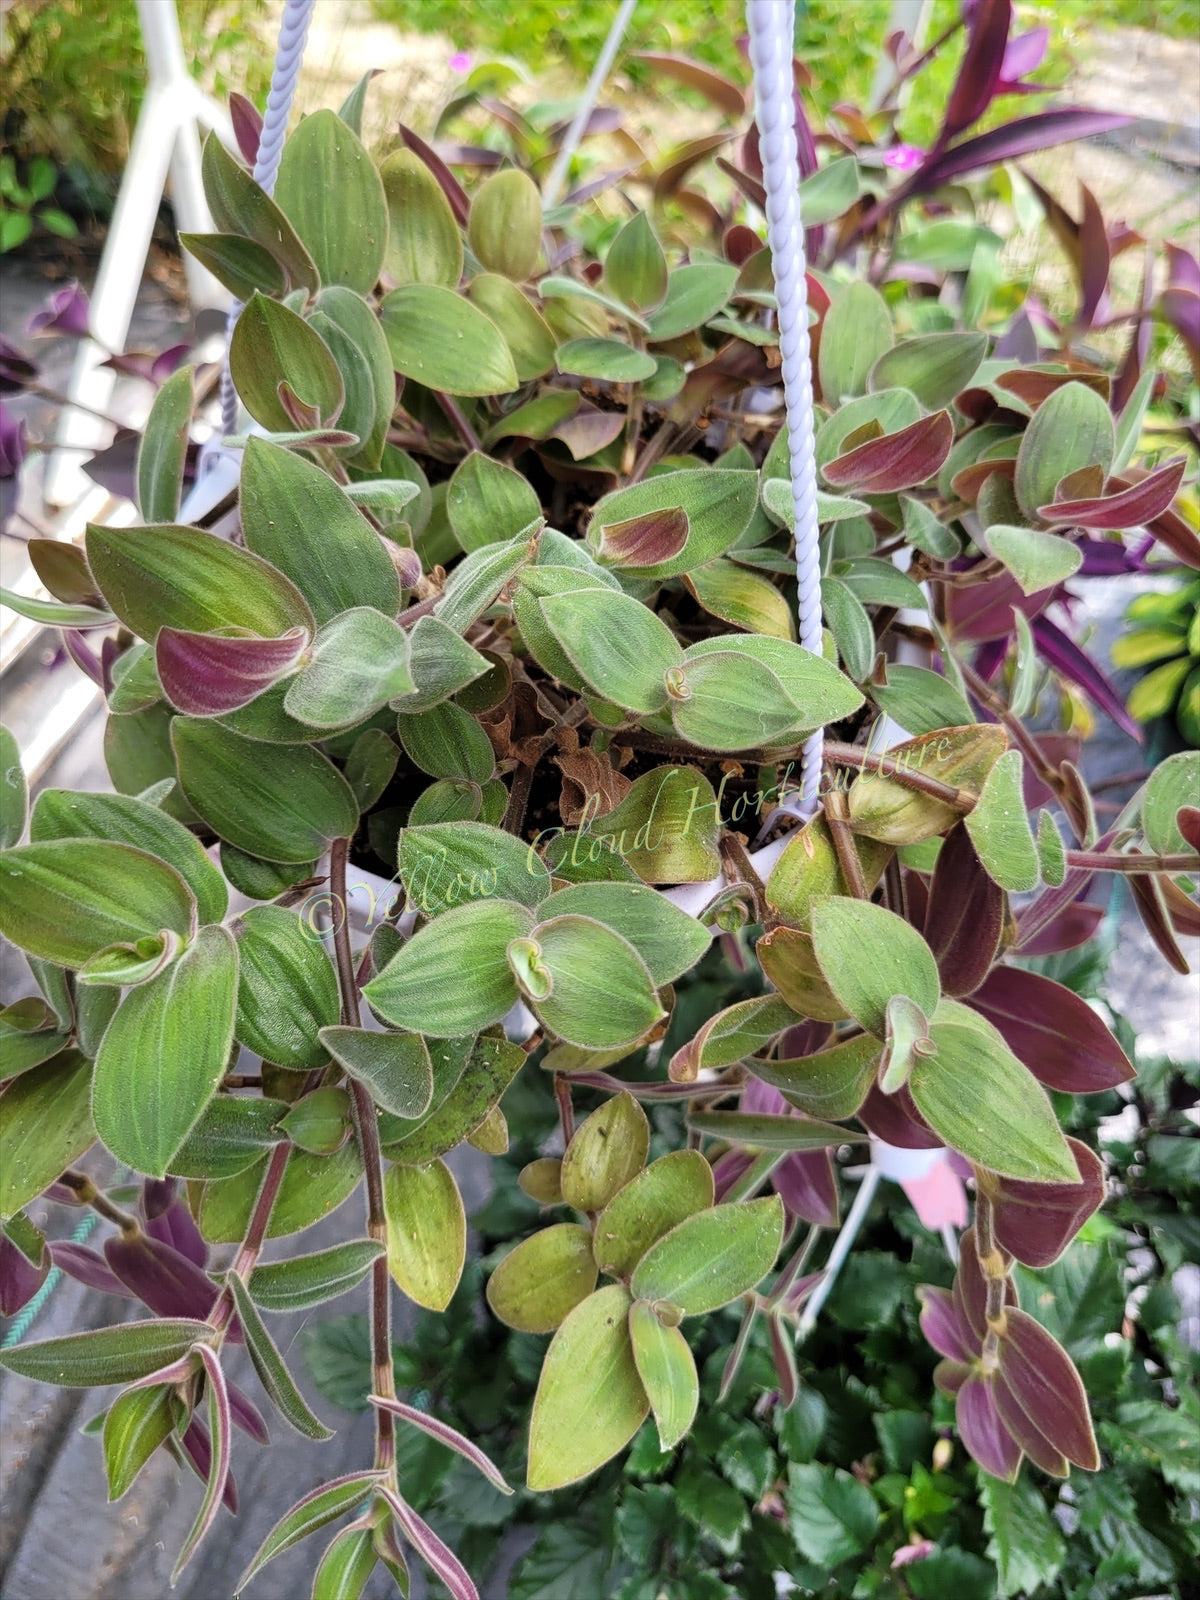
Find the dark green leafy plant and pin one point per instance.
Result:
(500, 615)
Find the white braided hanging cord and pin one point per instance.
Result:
(771, 25)
(285, 75)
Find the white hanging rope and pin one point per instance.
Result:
(289, 55)
(556, 182)
(772, 30)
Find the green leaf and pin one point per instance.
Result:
(329, 190)
(166, 577)
(424, 243)
(635, 268)
(666, 829)
(746, 599)
(444, 342)
(239, 265)
(847, 619)
(441, 662)
(370, 766)
(610, 359)
(231, 1135)
(668, 1373)
(810, 867)
(54, 614)
(617, 644)
(921, 701)
(476, 582)
(1174, 783)
(530, 339)
(240, 207)
(394, 1066)
(45, 1125)
(694, 294)
(163, 449)
(817, 692)
(591, 987)
(137, 1423)
(999, 826)
(105, 1355)
(831, 1515)
(272, 348)
(448, 864)
(163, 1054)
(317, 1508)
(312, 1187)
(764, 1131)
(67, 814)
(543, 1279)
(489, 502)
(732, 1035)
(296, 517)
(713, 1505)
(605, 1153)
(419, 988)
(281, 802)
(272, 1373)
(287, 990)
(505, 225)
(712, 1257)
(582, 319)
(883, 808)
(448, 742)
(1071, 429)
(70, 898)
(1035, 558)
(426, 1232)
(319, 1121)
(867, 955)
(934, 366)
(667, 939)
(828, 193)
(568, 1560)
(719, 504)
(980, 1099)
(351, 330)
(589, 1373)
(306, 1281)
(649, 1205)
(856, 332)
(358, 662)
(14, 794)
(1025, 1543)
(469, 1079)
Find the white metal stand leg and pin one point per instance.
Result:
(165, 139)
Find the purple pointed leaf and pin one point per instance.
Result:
(1074, 664)
(645, 541)
(727, 1169)
(1056, 1034)
(1134, 505)
(1041, 1377)
(1107, 558)
(449, 184)
(436, 1555)
(722, 92)
(982, 1432)
(1035, 1222)
(157, 1194)
(1150, 903)
(783, 1355)
(895, 1119)
(1181, 308)
(970, 1287)
(1095, 260)
(161, 1277)
(944, 1325)
(1026, 1434)
(1183, 269)
(1024, 54)
(247, 126)
(979, 74)
(247, 1416)
(86, 1266)
(197, 1447)
(965, 917)
(1067, 930)
(20, 1278)
(1020, 138)
(444, 1434)
(806, 1183)
(983, 611)
(176, 1227)
(207, 675)
(898, 460)
(949, 1376)
(1170, 529)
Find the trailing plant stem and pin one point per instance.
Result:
(90, 1195)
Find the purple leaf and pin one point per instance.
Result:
(12, 442)
(1035, 1222)
(176, 1227)
(944, 1326)
(982, 1432)
(1026, 1434)
(728, 1168)
(1170, 529)
(86, 1266)
(1067, 930)
(1150, 902)
(806, 1183)
(983, 611)
(1108, 558)
(1020, 343)
(20, 1278)
(162, 1278)
(1134, 505)
(247, 126)
(198, 1449)
(247, 1416)
(1023, 54)
(450, 186)
(1041, 1377)
(979, 75)
(783, 1354)
(895, 1119)
(444, 1434)
(1056, 1034)
(1181, 308)
(1064, 655)
(436, 1555)
(965, 917)
(1019, 138)
(898, 460)
(66, 312)
(207, 674)
(157, 1194)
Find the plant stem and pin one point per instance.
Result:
(518, 798)
(367, 1133)
(91, 1196)
(1105, 861)
(566, 1112)
(755, 1175)
(456, 415)
(795, 1266)
(843, 843)
(850, 755)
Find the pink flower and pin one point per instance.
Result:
(908, 1553)
(904, 157)
(460, 61)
